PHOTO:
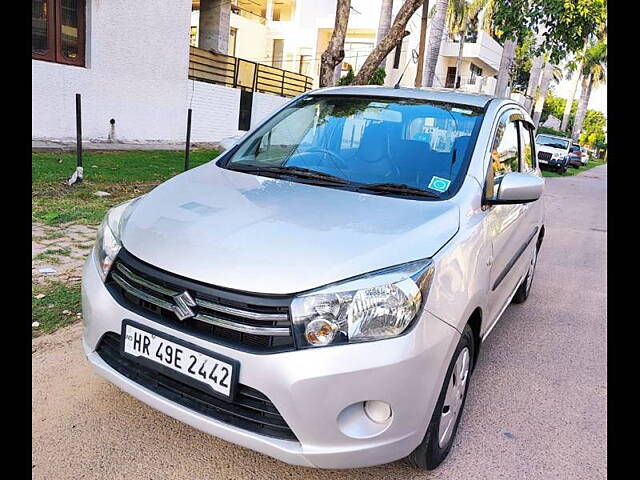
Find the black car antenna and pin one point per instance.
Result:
(414, 59)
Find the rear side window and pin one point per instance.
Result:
(526, 145)
(505, 154)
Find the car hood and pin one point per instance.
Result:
(544, 148)
(264, 235)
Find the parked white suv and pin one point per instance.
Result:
(553, 152)
(319, 293)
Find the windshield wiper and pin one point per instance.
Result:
(396, 188)
(299, 172)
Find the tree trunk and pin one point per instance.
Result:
(457, 76)
(334, 54)
(544, 86)
(585, 93)
(534, 79)
(567, 108)
(384, 23)
(504, 74)
(434, 43)
(395, 35)
(423, 41)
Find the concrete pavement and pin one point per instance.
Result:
(536, 407)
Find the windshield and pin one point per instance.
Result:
(552, 142)
(365, 141)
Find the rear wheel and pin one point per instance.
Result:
(437, 442)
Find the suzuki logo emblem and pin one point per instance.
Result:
(182, 307)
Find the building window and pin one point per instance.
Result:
(277, 53)
(58, 31)
(233, 35)
(472, 32)
(475, 72)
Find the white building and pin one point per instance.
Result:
(130, 61)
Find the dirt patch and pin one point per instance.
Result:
(61, 248)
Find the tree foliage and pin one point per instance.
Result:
(348, 78)
(564, 25)
(554, 105)
(593, 129)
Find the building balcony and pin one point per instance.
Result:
(485, 51)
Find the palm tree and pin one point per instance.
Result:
(574, 68)
(384, 23)
(550, 73)
(434, 42)
(460, 15)
(506, 61)
(594, 68)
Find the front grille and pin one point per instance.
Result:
(251, 410)
(544, 156)
(247, 322)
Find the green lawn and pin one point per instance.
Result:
(572, 171)
(47, 311)
(124, 175)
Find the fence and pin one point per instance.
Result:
(206, 66)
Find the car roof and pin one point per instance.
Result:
(435, 94)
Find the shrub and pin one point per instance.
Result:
(551, 131)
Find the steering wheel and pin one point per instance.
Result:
(335, 158)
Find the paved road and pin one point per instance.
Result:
(536, 405)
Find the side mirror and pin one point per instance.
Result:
(517, 187)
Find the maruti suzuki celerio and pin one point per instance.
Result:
(320, 291)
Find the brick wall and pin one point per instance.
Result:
(216, 109)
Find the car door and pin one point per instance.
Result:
(534, 211)
(507, 225)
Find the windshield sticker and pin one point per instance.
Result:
(462, 110)
(439, 184)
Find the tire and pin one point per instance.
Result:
(524, 289)
(431, 452)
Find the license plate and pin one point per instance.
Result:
(543, 161)
(186, 362)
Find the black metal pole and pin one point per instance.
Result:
(186, 152)
(78, 130)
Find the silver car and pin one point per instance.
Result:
(320, 291)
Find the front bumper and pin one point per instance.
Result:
(310, 388)
(553, 163)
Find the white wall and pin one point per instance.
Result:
(136, 71)
(216, 109)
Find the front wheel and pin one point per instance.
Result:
(525, 287)
(437, 442)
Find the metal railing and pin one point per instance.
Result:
(206, 66)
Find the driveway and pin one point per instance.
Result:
(536, 406)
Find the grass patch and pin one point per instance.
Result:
(124, 175)
(47, 311)
(50, 255)
(572, 171)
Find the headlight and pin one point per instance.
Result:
(108, 239)
(374, 306)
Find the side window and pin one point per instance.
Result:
(505, 156)
(526, 144)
